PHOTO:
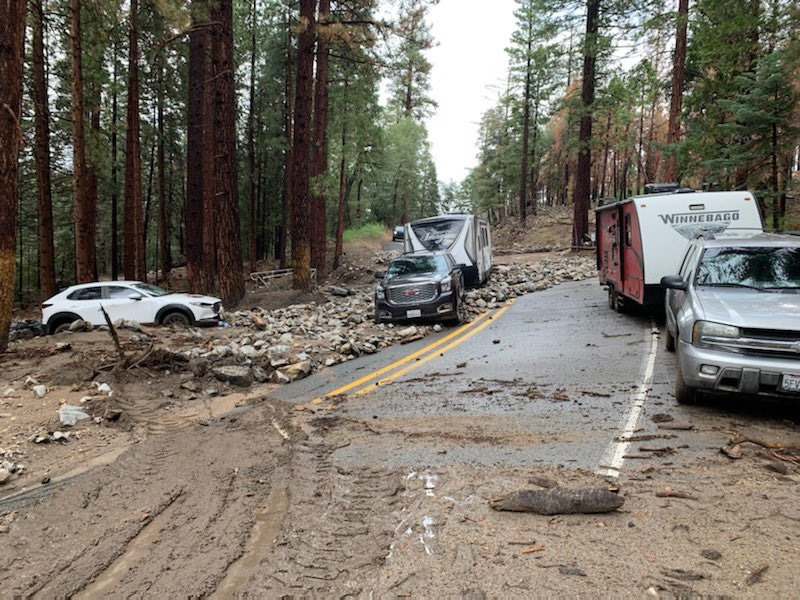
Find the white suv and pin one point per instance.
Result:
(131, 300)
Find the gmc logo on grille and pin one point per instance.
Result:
(408, 293)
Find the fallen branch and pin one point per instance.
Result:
(559, 501)
(741, 439)
(756, 575)
(668, 492)
(123, 359)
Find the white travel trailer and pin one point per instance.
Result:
(466, 237)
(641, 239)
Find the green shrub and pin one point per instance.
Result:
(369, 231)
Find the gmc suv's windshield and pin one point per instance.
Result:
(417, 265)
(757, 267)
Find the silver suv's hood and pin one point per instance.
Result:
(751, 308)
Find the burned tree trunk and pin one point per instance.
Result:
(583, 176)
(301, 204)
(676, 97)
(84, 212)
(319, 161)
(226, 215)
(133, 219)
(41, 153)
(12, 50)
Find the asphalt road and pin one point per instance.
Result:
(555, 379)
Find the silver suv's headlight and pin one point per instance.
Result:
(706, 334)
(446, 285)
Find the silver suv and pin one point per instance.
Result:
(733, 316)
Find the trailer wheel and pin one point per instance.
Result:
(614, 299)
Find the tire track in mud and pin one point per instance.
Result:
(338, 527)
(167, 519)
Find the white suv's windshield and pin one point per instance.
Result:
(150, 290)
(417, 265)
(757, 267)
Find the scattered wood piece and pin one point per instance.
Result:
(559, 501)
(741, 439)
(646, 437)
(522, 543)
(542, 482)
(613, 335)
(594, 394)
(790, 459)
(668, 492)
(572, 571)
(532, 549)
(123, 359)
(658, 450)
(734, 452)
(677, 427)
(683, 574)
(757, 575)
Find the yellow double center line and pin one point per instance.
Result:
(367, 383)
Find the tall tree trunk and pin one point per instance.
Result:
(251, 146)
(226, 217)
(640, 150)
(337, 253)
(84, 228)
(288, 183)
(134, 223)
(163, 228)
(526, 127)
(319, 160)
(41, 153)
(301, 205)
(12, 52)
(676, 95)
(194, 215)
(114, 190)
(580, 219)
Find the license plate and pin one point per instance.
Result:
(790, 383)
(413, 314)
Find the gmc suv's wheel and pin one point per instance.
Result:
(176, 317)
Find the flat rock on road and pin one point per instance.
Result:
(373, 479)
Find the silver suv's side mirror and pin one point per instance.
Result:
(674, 282)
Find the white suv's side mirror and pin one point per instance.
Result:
(136, 297)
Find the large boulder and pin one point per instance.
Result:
(241, 376)
(297, 370)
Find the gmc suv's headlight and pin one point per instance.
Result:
(446, 285)
(708, 333)
(380, 292)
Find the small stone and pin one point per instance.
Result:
(70, 415)
(189, 385)
(9, 392)
(77, 325)
(286, 338)
(298, 370)
(5, 475)
(260, 374)
(407, 332)
(198, 366)
(63, 346)
(104, 388)
(339, 291)
(30, 382)
(241, 376)
(39, 391)
(437, 328)
(279, 377)
(60, 435)
(211, 391)
(167, 393)
(711, 554)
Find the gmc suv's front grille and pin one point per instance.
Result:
(411, 294)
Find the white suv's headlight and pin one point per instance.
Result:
(709, 333)
(446, 285)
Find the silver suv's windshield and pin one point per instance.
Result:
(417, 265)
(763, 268)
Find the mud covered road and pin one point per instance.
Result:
(373, 479)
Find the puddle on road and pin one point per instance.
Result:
(269, 519)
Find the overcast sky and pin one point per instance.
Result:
(469, 70)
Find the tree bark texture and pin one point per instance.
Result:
(200, 265)
(676, 96)
(41, 153)
(251, 146)
(319, 161)
(288, 188)
(84, 212)
(337, 253)
(114, 210)
(163, 221)
(226, 201)
(526, 129)
(12, 50)
(133, 219)
(301, 204)
(583, 176)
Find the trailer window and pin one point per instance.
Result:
(438, 235)
(628, 231)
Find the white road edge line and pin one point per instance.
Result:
(613, 458)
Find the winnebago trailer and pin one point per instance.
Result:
(641, 239)
(467, 237)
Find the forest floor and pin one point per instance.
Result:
(177, 485)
